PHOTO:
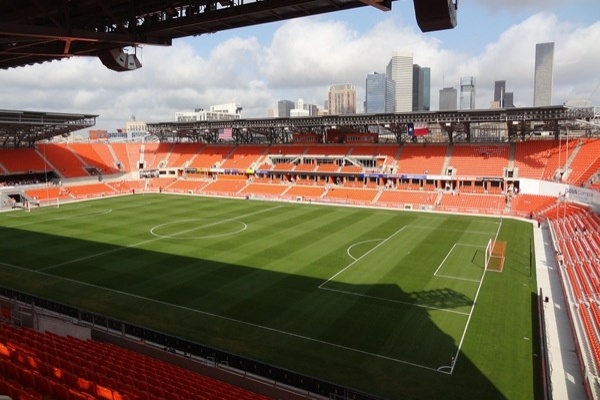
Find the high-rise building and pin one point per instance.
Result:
(342, 99)
(400, 70)
(448, 99)
(313, 110)
(542, 88)
(379, 97)
(499, 91)
(284, 107)
(502, 98)
(509, 100)
(421, 93)
(467, 93)
(426, 71)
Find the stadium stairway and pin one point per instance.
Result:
(567, 167)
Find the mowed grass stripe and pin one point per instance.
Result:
(361, 342)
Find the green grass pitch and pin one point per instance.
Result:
(393, 303)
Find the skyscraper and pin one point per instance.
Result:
(467, 93)
(426, 71)
(379, 96)
(502, 98)
(400, 69)
(342, 99)
(421, 96)
(542, 88)
(448, 99)
(284, 107)
(499, 91)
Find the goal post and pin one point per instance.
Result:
(494, 255)
(49, 202)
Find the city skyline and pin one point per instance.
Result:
(301, 58)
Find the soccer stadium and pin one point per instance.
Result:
(332, 266)
(409, 255)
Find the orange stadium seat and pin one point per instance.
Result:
(141, 376)
(181, 154)
(480, 160)
(21, 161)
(586, 162)
(420, 159)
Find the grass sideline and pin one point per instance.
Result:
(378, 300)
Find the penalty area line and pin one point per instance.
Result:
(361, 257)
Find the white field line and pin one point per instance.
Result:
(356, 244)
(120, 248)
(441, 369)
(462, 339)
(234, 320)
(74, 216)
(444, 260)
(447, 229)
(361, 257)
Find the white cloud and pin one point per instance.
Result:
(303, 58)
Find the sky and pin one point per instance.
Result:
(301, 58)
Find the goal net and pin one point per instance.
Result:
(494, 255)
(49, 202)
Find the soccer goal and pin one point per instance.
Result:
(49, 202)
(494, 255)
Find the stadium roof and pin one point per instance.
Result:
(24, 128)
(36, 31)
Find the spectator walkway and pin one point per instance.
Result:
(565, 375)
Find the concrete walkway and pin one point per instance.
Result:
(565, 374)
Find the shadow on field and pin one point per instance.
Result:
(395, 351)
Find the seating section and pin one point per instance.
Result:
(36, 365)
(225, 187)
(187, 186)
(327, 150)
(263, 190)
(128, 155)
(539, 159)
(286, 149)
(21, 161)
(473, 203)
(400, 198)
(90, 191)
(182, 154)
(155, 154)
(419, 159)
(244, 157)
(64, 161)
(211, 156)
(527, 204)
(98, 156)
(390, 150)
(586, 162)
(351, 195)
(577, 241)
(306, 192)
(47, 193)
(480, 160)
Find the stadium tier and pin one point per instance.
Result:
(488, 170)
